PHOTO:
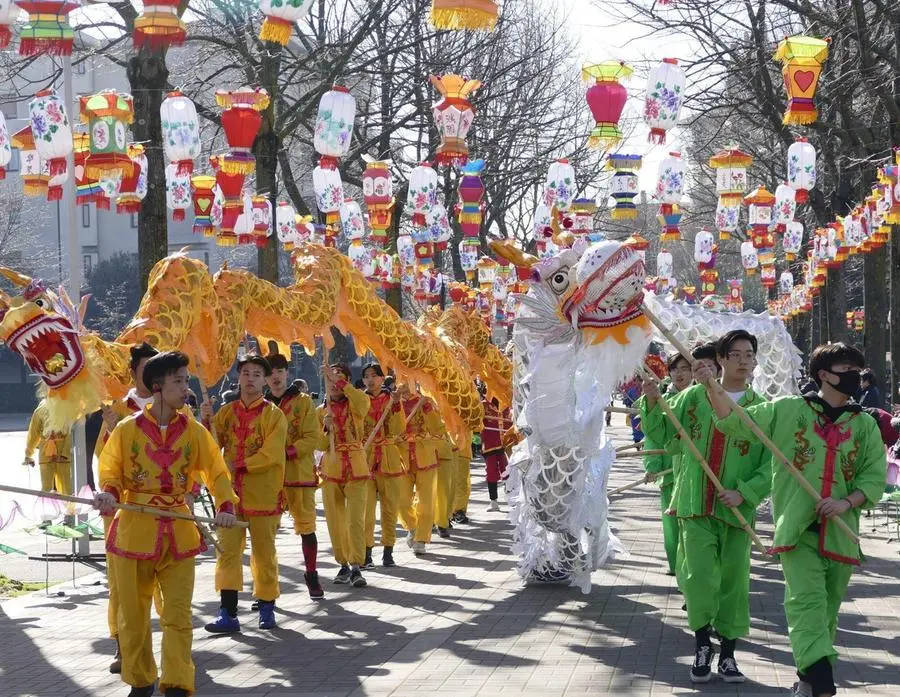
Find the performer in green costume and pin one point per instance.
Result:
(838, 449)
(713, 568)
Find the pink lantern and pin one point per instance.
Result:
(453, 117)
(606, 98)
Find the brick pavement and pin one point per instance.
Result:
(459, 623)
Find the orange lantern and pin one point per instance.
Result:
(453, 116)
(801, 58)
(159, 25)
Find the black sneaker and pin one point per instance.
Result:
(444, 532)
(368, 563)
(387, 557)
(142, 691)
(356, 579)
(343, 576)
(701, 671)
(177, 692)
(729, 672)
(254, 606)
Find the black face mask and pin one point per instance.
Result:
(848, 383)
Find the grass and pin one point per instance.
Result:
(10, 587)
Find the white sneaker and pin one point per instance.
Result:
(802, 689)
(411, 539)
(495, 506)
(418, 548)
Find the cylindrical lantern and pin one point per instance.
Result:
(785, 206)
(438, 224)
(422, 194)
(792, 240)
(34, 181)
(670, 179)
(768, 275)
(180, 131)
(624, 185)
(378, 193)
(728, 214)
(178, 192)
(203, 195)
(329, 190)
(334, 125)
(801, 58)
(546, 248)
(560, 186)
(583, 211)
(51, 131)
(606, 98)
(107, 114)
(48, 29)
(458, 15)
(134, 185)
(5, 147)
(786, 283)
(54, 182)
(487, 272)
(159, 25)
(231, 184)
(281, 16)
(731, 173)
(9, 12)
(406, 249)
(352, 221)
(704, 247)
(471, 193)
(285, 224)
(735, 302)
(542, 220)
(665, 265)
(243, 227)
(453, 117)
(241, 120)
(749, 257)
(801, 167)
(468, 256)
(760, 204)
(262, 219)
(662, 102)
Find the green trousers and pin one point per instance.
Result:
(813, 590)
(714, 575)
(670, 526)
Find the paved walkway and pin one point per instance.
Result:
(459, 623)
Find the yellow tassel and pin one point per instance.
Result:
(226, 240)
(242, 167)
(598, 143)
(800, 118)
(464, 18)
(276, 30)
(623, 213)
(724, 235)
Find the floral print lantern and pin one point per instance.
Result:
(760, 204)
(5, 147)
(34, 182)
(731, 173)
(792, 241)
(785, 206)
(560, 186)
(334, 125)
(438, 223)
(159, 25)
(801, 58)
(51, 130)
(378, 193)
(704, 249)
(352, 220)
(606, 98)
(728, 214)
(801, 166)
(180, 131)
(453, 116)
(107, 115)
(329, 191)
(241, 120)
(468, 257)
(662, 102)
(749, 257)
(285, 224)
(9, 12)
(543, 218)
(48, 30)
(669, 191)
(624, 185)
(281, 16)
(178, 192)
(422, 193)
(464, 14)
(203, 196)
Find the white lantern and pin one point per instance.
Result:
(560, 188)
(670, 179)
(281, 16)
(243, 226)
(178, 192)
(731, 172)
(801, 166)
(422, 194)
(110, 182)
(180, 131)
(749, 258)
(352, 220)
(546, 248)
(665, 265)
(218, 207)
(51, 131)
(406, 248)
(785, 206)
(361, 257)
(5, 147)
(438, 223)
(663, 100)
(334, 123)
(728, 216)
(468, 256)
(703, 247)
(792, 240)
(542, 220)
(786, 283)
(285, 224)
(329, 191)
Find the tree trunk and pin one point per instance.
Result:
(875, 343)
(815, 333)
(836, 295)
(147, 77)
(800, 332)
(265, 149)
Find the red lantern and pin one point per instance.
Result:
(241, 120)
(606, 99)
(232, 188)
(203, 196)
(159, 25)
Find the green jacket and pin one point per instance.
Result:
(738, 463)
(659, 463)
(837, 458)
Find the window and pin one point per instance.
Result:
(85, 216)
(80, 68)
(134, 221)
(14, 164)
(88, 264)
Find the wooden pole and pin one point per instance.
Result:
(622, 410)
(387, 410)
(636, 484)
(630, 446)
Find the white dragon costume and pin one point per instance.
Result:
(580, 332)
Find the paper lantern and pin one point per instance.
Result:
(361, 257)
(669, 192)
(792, 240)
(453, 117)
(731, 173)
(203, 196)
(768, 275)
(34, 182)
(51, 130)
(334, 124)
(583, 211)
(704, 247)
(662, 102)
(801, 166)
(606, 98)
(48, 29)
(54, 182)
(231, 184)
(9, 12)
(749, 257)
(285, 224)
(243, 226)
(560, 186)
(760, 204)
(624, 185)
(378, 193)
(801, 58)
(735, 302)
(5, 147)
(406, 249)
(178, 192)
(134, 185)
(708, 280)
(262, 219)
(728, 214)
(110, 184)
(543, 218)
(786, 283)
(859, 320)
(281, 16)
(546, 248)
(329, 190)
(785, 206)
(241, 120)
(468, 257)
(422, 193)
(665, 264)
(86, 190)
(487, 272)
(437, 221)
(159, 25)
(471, 193)
(637, 242)
(457, 15)
(107, 114)
(352, 221)
(180, 131)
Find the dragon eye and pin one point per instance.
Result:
(40, 302)
(559, 281)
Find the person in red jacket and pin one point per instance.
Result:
(496, 423)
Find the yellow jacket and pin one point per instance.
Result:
(302, 437)
(423, 430)
(122, 408)
(349, 418)
(384, 455)
(52, 448)
(253, 439)
(147, 465)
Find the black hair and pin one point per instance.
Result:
(673, 361)
(379, 371)
(139, 352)
(726, 341)
(255, 359)
(277, 361)
(301, 385)
(705, 351)
(826, 356)
(344, 369)
(869, 377)
(359, 384)
(161, 365)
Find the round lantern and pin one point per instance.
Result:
(801, 58)
(560, 186)
(662, 102)
(606, 98)
(178, 192)
(34, 181)
(792, 240)
(801, 167)
(51, 131)
(453, 117)
(285, 224)
(5, 147)
(334, 124)
(704, 248)
(134, 185)
(728, 214)
(785, 206)
(180, 131)
(760, 204)
(624, 185)
(281, 16)
(749, 257)
(329, 190)
(731, 173)
(378, 193)
(241, 120)
(471, 193)
(422, 194)
(107, 114)
(352, 221)
(48, 29)
(203, 196)
(464, 14)
(9, 12)
(159, 25)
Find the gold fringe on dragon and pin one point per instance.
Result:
(206, 317)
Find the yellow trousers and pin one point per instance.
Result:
(345, 514)
(58, 476)
(445, 494)
(136, 579)
(463, 484)
(392, 492)
(301, 502)
(420, 516)
(112, 606)
(263, 559)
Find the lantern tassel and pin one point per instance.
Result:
(54, 193)
(50, 47)
(657, 136)
(242, 166)
(277, 30)
(35, 188)
(802, 196)
(128, 207)
(623, 213)
(102, 203)
(178, 215)
(800, 117)
(2, 173)
(461, 18)
(155, 41)
(225, 239)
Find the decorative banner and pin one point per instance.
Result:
(159, 26)
(663, 100)
(241, 120)
(606, 98)
(107, 115)
(801, 166)
(453, 117)
(281, 17)
(801, 58)
(47, 30)
(477, 15)
(624, 184)
(180, 131)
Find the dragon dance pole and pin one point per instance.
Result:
(637, 483)
(749, 423)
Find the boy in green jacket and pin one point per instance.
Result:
(714, 555)
(838, 449)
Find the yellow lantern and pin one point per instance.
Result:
(801, 58)
(464, 14)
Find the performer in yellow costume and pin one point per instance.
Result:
(151, 459)
(463, 488)
(54, 453)
(423, 429)
(252, 433)
(388, 483)
(345, 472)
(445, 492)
(300, 478)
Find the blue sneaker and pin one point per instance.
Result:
(224, 624)
(267, 614)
